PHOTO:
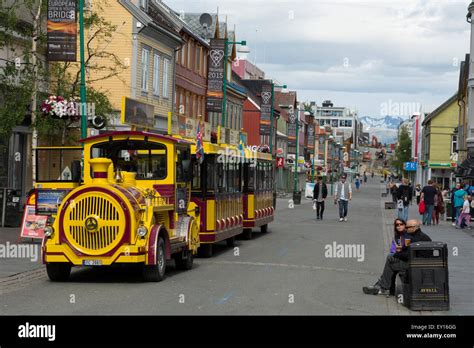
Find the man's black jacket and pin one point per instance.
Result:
(418, 236)
(316, 190)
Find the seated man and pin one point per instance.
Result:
(397, 262)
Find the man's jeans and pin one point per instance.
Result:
(403, 213)
(343, 207)
(320, 209)
(392, 267)
(428, 214)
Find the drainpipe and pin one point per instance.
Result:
(470, 87)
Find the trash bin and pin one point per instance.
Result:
(427, 286)
(297, 197)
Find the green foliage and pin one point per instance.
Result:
(15, 94)
(58, 78)
(402, 151)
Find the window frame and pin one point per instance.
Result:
(145, 68)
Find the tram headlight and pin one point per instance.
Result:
(142, 231)
(48, 231)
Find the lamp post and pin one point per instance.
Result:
(224, 86)
(330, 139)
(83, 72)
(295, 177)
(271, 116)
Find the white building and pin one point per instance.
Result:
(343, 121)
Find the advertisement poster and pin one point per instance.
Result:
(292, 132)
(136, 113)
(33, 225)
(215, 76)
(266, 109)
(62, 31)
(47, 201)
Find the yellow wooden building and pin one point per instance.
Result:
(440, 142)
(146, 41)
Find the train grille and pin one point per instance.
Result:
(105, 212)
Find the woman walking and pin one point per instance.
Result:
(438, 206)
(418, 194)
(465, 215)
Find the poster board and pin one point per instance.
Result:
(33, 225)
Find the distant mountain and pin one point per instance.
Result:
(385, 128)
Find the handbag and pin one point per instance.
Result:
(422, 208)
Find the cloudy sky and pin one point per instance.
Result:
(370, 55)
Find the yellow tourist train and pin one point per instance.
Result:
(145, 199)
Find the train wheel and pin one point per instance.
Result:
(205, 250)
(264, 228)
(247, 234)
(184, 263)
(58, 272)
(230, 242)
(156, 273)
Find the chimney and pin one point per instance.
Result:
(100, 170)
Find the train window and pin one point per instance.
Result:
(196, 184)
(147, 159)
(183, 155)
(211, 173)
(221, 177)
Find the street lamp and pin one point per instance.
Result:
(295, 177)
(271, 116)
(83, 72)
(224, 86)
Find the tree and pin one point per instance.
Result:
(402, 151)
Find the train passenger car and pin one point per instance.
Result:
(132, 206)
(258, 188)
(217, 191)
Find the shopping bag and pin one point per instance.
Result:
(422, 208)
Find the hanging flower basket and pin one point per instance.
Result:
(58, 107)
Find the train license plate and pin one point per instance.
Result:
(92, 262)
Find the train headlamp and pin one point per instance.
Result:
(48, 231)
(142, 231)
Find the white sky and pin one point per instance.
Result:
(358, 53)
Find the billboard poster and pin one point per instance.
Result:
(33, 225)
(266, 109)
(135, 113)
(47, 201)
(62, 31)
(311, 138)
(215, 75)
(291, 126)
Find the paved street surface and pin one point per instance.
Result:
(282, 272)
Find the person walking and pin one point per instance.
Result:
(418, 194)
(458, 202)
(357, 182)
(428, 196)
(465, 215)
(365, 177)
(404, 195)
(393, 191)
(438, 206)
(319, 195)
(342, 196)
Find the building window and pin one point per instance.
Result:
(204, 65)
(156, 74)
(166, 66)
(454, 144)
(145, 66)
(144, 5)
(335, 123)
(190, 51)
(183, 55)
(197, 68)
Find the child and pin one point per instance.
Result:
(465, 215)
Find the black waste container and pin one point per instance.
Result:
(297, 197)
(427, 286)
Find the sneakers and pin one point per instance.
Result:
(345, 219)
(375, 290)
(454, 224)
(317, 218)
(341, 219)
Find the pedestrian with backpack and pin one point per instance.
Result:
(404, 196)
